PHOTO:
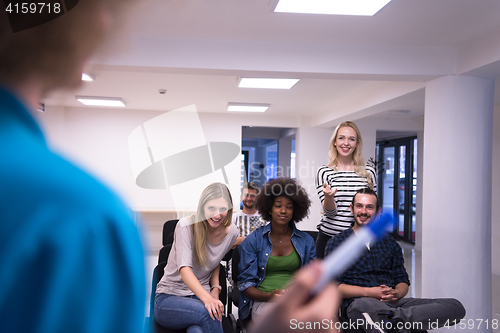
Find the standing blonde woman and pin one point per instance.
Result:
(187, 296)
(337, 182)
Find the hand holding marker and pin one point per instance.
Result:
(344, 256)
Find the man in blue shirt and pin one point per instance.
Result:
(375, 286)
(71, 256)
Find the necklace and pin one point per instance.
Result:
(280, 240)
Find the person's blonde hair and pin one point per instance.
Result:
(357, 155)
(199, 220)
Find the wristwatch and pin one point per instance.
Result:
(216, 286)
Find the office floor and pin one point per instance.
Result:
(413, 264)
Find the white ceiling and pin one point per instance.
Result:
(349, 66)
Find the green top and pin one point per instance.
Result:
(279, 271)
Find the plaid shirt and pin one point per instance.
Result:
(382, 264)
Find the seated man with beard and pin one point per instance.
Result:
(375, 286)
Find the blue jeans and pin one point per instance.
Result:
(178, 313)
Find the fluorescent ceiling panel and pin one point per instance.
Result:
(266, 83)
(335, 7)
(101, 101)
(88, 77)
(247, 107)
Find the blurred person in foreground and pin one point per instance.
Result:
(72, 259)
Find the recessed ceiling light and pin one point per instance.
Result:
(101, 101)
(266, 83)
(247, 107)
(335, 7)
(88, 76)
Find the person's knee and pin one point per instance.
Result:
(364, 304)
(360, 305)
(166, 312)
(194, 329)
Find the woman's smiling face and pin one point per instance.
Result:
(346, 141)
(215, 211)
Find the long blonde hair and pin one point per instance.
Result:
(199, 220)
(357, 155)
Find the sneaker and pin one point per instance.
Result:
(371, 325)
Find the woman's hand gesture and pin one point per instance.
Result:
(215, 308)
(328, 191)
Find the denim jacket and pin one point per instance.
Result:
(254, 253)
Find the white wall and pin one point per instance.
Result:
(311, 149)
(97, 139)
(495, 197)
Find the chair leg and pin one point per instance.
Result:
(229, 324)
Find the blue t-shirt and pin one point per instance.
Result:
(71, 257)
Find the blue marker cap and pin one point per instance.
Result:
(379, 225)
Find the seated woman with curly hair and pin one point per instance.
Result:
(271, 254)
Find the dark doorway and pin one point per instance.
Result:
(397, 184)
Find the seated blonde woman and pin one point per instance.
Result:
(187, 296)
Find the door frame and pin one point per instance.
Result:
(408, 211)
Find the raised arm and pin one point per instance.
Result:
(329, 197)
(325, 192)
